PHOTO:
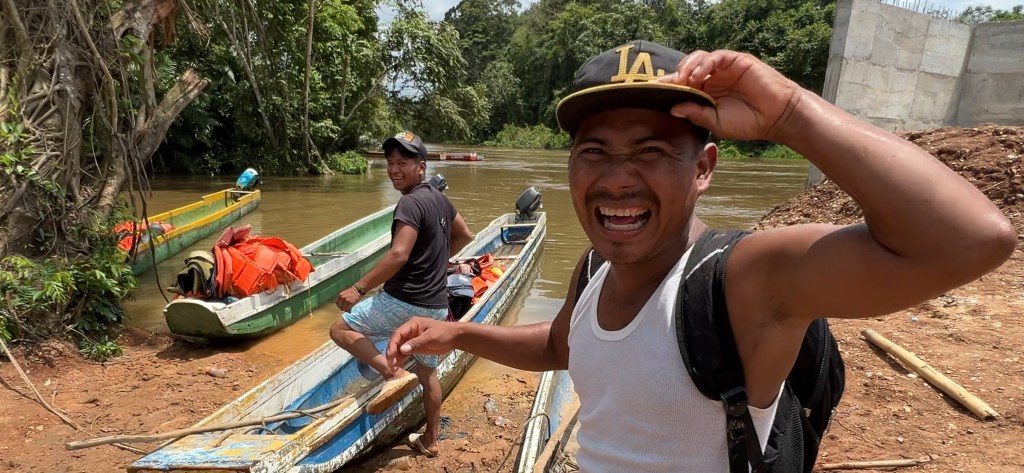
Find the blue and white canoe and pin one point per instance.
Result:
(326, 441)
(551, 421)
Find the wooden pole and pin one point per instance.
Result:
(970, 401)
(176, 434)
(874, 464)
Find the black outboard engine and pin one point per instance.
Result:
(438, 182)
(527, 204)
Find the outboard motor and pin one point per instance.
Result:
(527, 204)
(248, 180)
(438, 182)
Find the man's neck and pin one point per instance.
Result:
(643, 277)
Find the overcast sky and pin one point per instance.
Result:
(436, 8)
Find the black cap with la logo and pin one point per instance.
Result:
(408, 141)
(623, 77)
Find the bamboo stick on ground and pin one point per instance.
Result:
(946, 385)
(176, 434)
(874, 464)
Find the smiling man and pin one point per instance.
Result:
(641, 117)
(426, 232)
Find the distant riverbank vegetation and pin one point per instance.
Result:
(527, 137)
(542, 137)
(763, 150)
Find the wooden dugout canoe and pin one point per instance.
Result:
(325, 443)
(192, 223)
(550, 424)
(339, 259)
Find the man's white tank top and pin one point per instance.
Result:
(639, 410)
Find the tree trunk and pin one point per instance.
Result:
(305, 92)
(246, 60)
(148, 139)
(68, 84)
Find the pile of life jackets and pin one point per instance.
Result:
(468, 280)
(247, 264)
(241, 265)
(127, 231)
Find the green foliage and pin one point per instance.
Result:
(780, 152)
(349, 162)
(484, 27)
(102, 350)
(50, 296)
(486, 73)
(760, 149)
(730, 150)
(16, 156)
(987, 14)
(251, 114)
(792, 36)
(525, 137)
(554, 37)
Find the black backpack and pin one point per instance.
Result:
(708, 348)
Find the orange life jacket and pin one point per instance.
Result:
(128, 231)
(487, 278)
(249, 264)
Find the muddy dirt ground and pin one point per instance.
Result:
(972, 334)
(162, 384)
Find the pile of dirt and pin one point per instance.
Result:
(971, 334)
(989, 156)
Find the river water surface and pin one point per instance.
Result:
(302, 209)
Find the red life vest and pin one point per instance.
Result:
(128, 231)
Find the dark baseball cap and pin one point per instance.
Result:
(408, 141)
(624, 77)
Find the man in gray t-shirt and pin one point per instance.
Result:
(425, 233)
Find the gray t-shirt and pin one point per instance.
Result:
(422, 280)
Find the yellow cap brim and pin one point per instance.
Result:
(575, 108)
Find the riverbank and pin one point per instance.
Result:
(971, 334)
(159, 384)
(162, 384)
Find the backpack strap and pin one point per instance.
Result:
(708, 347)
(591, 264)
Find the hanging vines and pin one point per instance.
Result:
(80, 115)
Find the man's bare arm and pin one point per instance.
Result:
(461, 236)
(394, 259)
(535, 347)
(927, 229)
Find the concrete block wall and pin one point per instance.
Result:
(992, 82)
(904, 70)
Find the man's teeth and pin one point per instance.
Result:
(621, 212)
(623, 228)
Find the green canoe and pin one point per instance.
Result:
(192, 223)
(338, 259)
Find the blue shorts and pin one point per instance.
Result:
(379, 316)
